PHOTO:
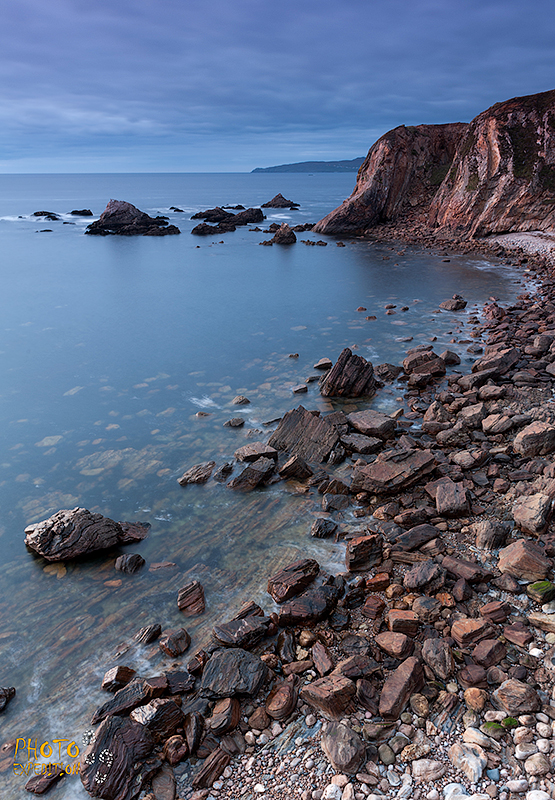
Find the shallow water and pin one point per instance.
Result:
(110, 346)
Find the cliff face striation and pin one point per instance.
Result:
(494, 175)
(503, 176)
(401, 174)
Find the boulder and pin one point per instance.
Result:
(161, 717)
(536, 439)
(469, 759)
(393, 471)
(330, 695)
(467, 631)
(322, 527)
(115, 763)
(124, 219)
(490, 534)
(516, 698)
(279, 201)
(225, 716)
(244, 632)
(232, 672)
(350, 376)
(497, 363)
(282, 700)
(306, 435)
(312, 605)
(372, 423)
(293, 579)
(455, 303)
(71, 533)
(532, 513)
(425, 575)
(398, 687)
(439, 657)
(343, 747)
(296, 468)
(363, 552)
(524, 560)
(396, 645)
(174, 642)
(254, 451)
(257, 473)
(284, 235)
(452, 499)
(197, 474)
(211, 769)
(116, 678)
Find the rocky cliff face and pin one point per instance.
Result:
(494, 175)
(399, 177)
(503, 176)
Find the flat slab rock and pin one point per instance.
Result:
(293, 579)
(72, 533)
(244, 632)
(312, 605)
(404, 681)
(516, 697)
(392, 471)
(372, 423)
(524, 560)
(350, 376)
(306, 435)
(232, 672)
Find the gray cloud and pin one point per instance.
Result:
(189, 85)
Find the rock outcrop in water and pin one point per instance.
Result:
(494, 175)
(124, 219)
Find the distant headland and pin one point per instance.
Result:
(316, 166)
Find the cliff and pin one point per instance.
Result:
(401, 174)
(493, 175)
(503, 176)
(316, 166)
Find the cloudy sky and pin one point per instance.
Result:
(229, 85)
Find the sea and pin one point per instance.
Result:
(120, 360)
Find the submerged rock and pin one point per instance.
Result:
(124, 219)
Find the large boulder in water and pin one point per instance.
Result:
(124, 219)
(72, 533)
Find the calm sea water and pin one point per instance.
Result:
(110, 346)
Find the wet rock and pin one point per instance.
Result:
(129, 563)
(404, 681)
(497, 363)
(452, 499)
(174, 642)
(324, 364)
(71, 533)
(456, 303)
(190, 599)
(234, 422)
(343, 747)
(197, 474)
(393, 471)
(532, 513)
(330, 695)
(469, 759)
(223, 472)
(225, 716)
(350, 376)
(50, 775)
(116, 678)
(536, 439)
(6, 694)
(124, 219)
(161, 716)
(439, 657)
(254, 451)
(516, 697)
(306, 435)
(524, 560)
(240, 400)
(297, 468)
(279, 201)
(133, 694)
(148, 634)
(84, 212)
(255, 474)
(293, 579)
(179, 681)
(284, 235)
(372, 423)
(363, 552)
(114, 765)
(323, 527)
(242, 632)
(357, 443)
(313, 605)
(231, 672)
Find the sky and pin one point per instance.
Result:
(227, 86)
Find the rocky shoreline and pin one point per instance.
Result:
(425, 670)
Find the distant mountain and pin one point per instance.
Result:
(316, 166)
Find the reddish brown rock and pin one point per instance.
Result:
(322, 659)
(452, 499)
(468, 631)
(439, 657)
(363, 552)
(470, 571)
(293, 579)
(350, 376)
(282, 700)
(490, 534)
(133, 694)
(254, 451)
(297, 468)
(532, 513)
(343, 747)
(516, 698)
(175, 750)
(174, 642)
(244, 632)
(50, 774)
(116, 678)
(372, 423)
(197, 474)
(524, 560)
(373, 607)
(311, 606)
(404, 681)
(489, 652)
(416, 537)
(306, 435)
(211, 769)
(406, 622)
(397, 645)
(225, 716)
(69, 534)
(255, 474)
(330, 695)
(536, 439)
(378, 583)
(500, 361)
(259, 719)
(161, 717)
(129, 563)
(190, 599)
(497, 611)
(518, 634)
(392, 471)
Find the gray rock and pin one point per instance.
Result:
(343, 747)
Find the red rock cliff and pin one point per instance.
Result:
(493, 175)
(503, 175)
(400, 175)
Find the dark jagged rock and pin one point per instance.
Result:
(129, 563)
(393, 470)
(148, 634)
(190, 599)
(69, 534)
(284, 235)
(6, 694)
(116, 678)
(40, 784)
(197, 474)
(174, 642)
(293, 579)
(124, 219)
(306, 435)
(256, 473)
(244, 632)
(372, 423)
(133, 694)
(179, 681)
(330, 695)
(225, 717)
(363, 552)
(350, 376)
(343, 747)
(313, 605)
(279, 201)
(404, 681)
(115, 764)
(84, 212)
(323, 527)
(212, 768)
(161, 717)
(226, 222)
(231, 672)
(252, 452)
(297, 468)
